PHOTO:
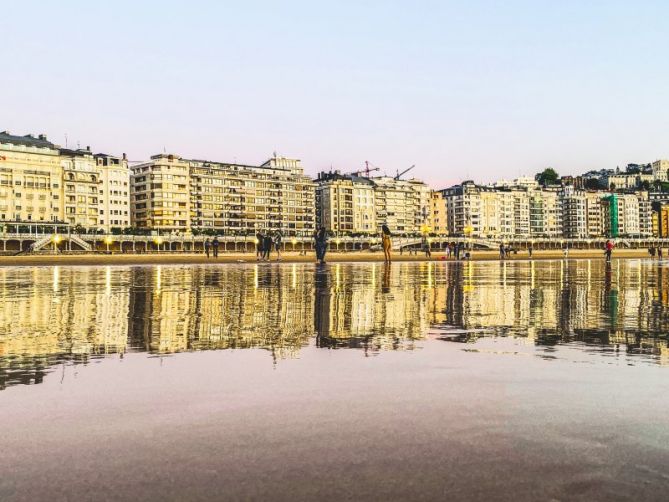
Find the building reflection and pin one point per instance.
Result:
(51, 316)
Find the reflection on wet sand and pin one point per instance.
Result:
(50, 315)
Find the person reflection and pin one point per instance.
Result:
(385, 285)
(322, 300)
(610, 297)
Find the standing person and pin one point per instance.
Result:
(529, 250)
(566, 250)
(386, 242)
(267, 246)
(426, 247)
(321, 244)
(608, 250)
(214, 245)
(277, 244)
(207, 245)
(456, 249)
(260, 239)
(502, 251)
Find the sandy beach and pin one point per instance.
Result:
(365, 256)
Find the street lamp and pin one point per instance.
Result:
(108, 242)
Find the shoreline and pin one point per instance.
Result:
(355, 257)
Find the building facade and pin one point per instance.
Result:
(114, 192)
(160, 194)
(31, 179)
(181, 195)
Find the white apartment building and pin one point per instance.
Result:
(661, 170)
(31, 180)
(160, 194)
(354, 204)
(80, 181)
(114, 192)
(243, 199)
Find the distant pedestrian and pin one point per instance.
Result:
(529, 250)
(566, 251)
(278, 236)
(426, 247)
(386, 242)
(207, 246)
(502, 251)
(214, 245)
(651, 252)
(321, 244)
(260, 240)
(608, 250)
(267, 246)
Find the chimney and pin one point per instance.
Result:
(125, 156)
(42, 137)
(88, 148)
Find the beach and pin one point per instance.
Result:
(176, 258)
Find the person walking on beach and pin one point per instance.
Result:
(502, 251)
(260, 239)
(207, 245)
(277, 244)
(386, 242)
(266, 246)
(426, 247)
(529, 251)
(214, 245)
(321, 245)
(608, 249)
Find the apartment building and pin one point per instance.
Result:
(160, 194)
(113, 192)
(237, 199)
(661, 170)
(545, 213)
(438, 221)
(80, 187)
(181, 195)
(31, 180)
(398, 204)
(346, 203)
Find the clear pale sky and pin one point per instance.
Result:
(462, 89)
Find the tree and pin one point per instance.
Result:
(547, 177)
(592, 184)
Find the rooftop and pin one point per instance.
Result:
(27, 140)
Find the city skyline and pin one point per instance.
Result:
(461, 91)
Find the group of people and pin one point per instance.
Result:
(653, 251)
(211, 245)
(456, 250)
(265, 242)
(321, 244)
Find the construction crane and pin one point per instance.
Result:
(366, 170)
(400, 174)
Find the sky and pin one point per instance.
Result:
(472, 89)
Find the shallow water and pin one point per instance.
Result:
(517, 380)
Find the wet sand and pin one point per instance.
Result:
(176, 258)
